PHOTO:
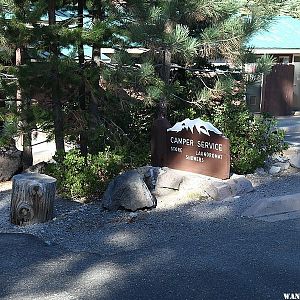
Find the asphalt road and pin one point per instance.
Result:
(237, 258)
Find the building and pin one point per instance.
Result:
(279, 92)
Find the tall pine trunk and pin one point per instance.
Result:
(93, 109)
(2, 104)
(57, 106)
(82, 100)
(161, 124)
(165, 76)
(24, 105)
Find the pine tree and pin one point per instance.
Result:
(18, 45)
(57, 106)
(183, 38)
(290, 8)
(180, 38)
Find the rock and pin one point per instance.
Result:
(169, 178)
(219, 190)
(147, 186)
(280, 158)
(195, 186)
(10, 162)
(283, 165)
(295, 160)
(235, 185)
(293, 155)
(260, 171)
(275, 208)
(239, 185)
(133, 215)
(38, 168)
(128, 191)
(274, 170)
(150, 175)
(179, 184)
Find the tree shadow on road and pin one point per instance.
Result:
(201, 250)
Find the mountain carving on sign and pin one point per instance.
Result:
(201, 126)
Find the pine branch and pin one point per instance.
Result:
(186, 101)
(9, 99)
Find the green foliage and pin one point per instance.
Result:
(9, 128)
(265, 64)
(290, 8)
(114, 104)
(79, 177)
(252, 138)
(181, 42)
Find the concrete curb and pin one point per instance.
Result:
(275, 208)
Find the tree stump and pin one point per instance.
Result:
(32, 198)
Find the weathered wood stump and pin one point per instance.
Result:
(32, 198)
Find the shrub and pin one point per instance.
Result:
(88, 177)
(252, 138)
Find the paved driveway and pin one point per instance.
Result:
(226, 259)
(221, 258)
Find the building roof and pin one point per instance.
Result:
(282, 34)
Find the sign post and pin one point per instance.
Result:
(158, 142)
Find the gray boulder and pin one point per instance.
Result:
(128, 191)
(295, 160)
(239, 185)
(38, 168)
(293, 156)
(169, 179)
(195, 187)
(260, 172)
(188, 185)
(283, 165)
(180, 184)
(274, 170)
(219, 190)
(148, 187)
(150, 175)
(10, 162)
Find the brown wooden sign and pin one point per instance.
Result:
(197, 146)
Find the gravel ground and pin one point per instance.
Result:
(89, 228)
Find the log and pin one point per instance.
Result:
(32, 198)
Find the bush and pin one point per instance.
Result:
(252, 138)
(88, 177)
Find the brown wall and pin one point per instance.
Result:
(278, 90)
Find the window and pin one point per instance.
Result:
(296, 58)
(283, 59)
